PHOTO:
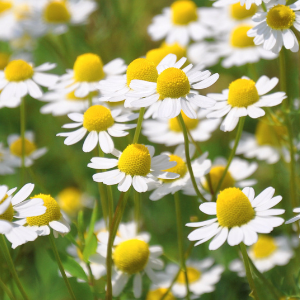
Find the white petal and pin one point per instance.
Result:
(139, 184)
(209, 208)
(219, 239)
(137, 285)
(23, 193)
(106, 142)
(125, 184)
(33, 89)
(90, 142)
(235, 236)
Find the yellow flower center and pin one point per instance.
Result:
(135, 160)
(215, 176)
(158, 293)
(239, 12)
(97, 118)
(131, 256)
(69, 200)
(18, 70)
(4, 58)
(183, 12)
(141, 69)
(57, 12)
(264, 247)
(52, 212)
(9, 213)
(239, 37)
(175, 48)
(172, 83)
(180, 168)
(280, 17)
(233, 208)
(22, 12)
(16, 147)
(88, 67)
(5, 5)
(189, 123)
(242, 93)
(156, 55)
(192, 274)
(71, 96)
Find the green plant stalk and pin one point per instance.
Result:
(263, 5)
(60, 266)
(6, 290)
(110, 200)
(252, 71)
(248, 271)
(188, 159)
(180, 243)
(90, 97)
(22, 130)
(282, 68)
(92, 281)
(138, 126)
(232, 154)
(137, 209)
(11, 266)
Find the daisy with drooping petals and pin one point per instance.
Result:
(20, 78)
(174, 89)
(135, 166)
(266, 253)
(14, 206)
(31, 151)
(99, 121)
(200, 167)
(240, 217)
(244, 97)
(275, 27)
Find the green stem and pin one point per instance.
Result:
(110, 200)
(90, 97)
(252, 71)
(137, 208)
(11, 266)
(263, 5)
(60, 266)
(180, 243)
(22, 129)
(248, 271)
(232, 154)
(188, 160)
(6, 290)
(92, 281)
(138, 126)
(282, 68)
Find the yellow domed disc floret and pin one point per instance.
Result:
(239, 37)
(16, 147)
(242, 93)
(141, 69)
(215, 176)
(183, 12)
(88, 67)
(135, 160)
(5, 5)
(172, 83)
(156, 55)
(9, 213)
(189, 123)
(239, 12)
(57, 12)
(264, 247)
(280, 17)
(97, 118)
(175, 48)
(192, 274)
(131, 256)
(69, 200)
(158, 293)
(234, 208)
(52, 212)
(18, 70)
(4, 59)
(180, 168)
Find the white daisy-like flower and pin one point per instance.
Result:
(169, 132)
(100, 124)
(275, 27)
(175, 89)
(248, 3)
(200, 167)
(240, 216)
(6, 163)
(20, 78)
(266, 253)
(87, 71)
(136, 166)
(182, 22)
(202, 277)
(244, 97)
(14, 206)
(31, 152)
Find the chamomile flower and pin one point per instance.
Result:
(244, 97)
(266, 253)
(275, 27)
(169, 132)
(20, 78)
(87, 71)
(136, 166)
(174, 89)
(99, 121)
(200, 167)
(31, 152)
(182, 22)
(202, 277)
(6, 162)
(156, 292)
(239, 217)
(14, 206)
